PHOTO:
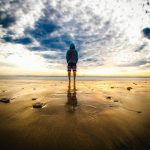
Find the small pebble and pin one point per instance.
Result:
(112, 87)
(139, 112)
(38, 105)
(129, 88)
(115, 100)
(34, 98)
(108, 97)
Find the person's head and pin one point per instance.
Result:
(72, 46)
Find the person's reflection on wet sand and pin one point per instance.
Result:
(71, 99)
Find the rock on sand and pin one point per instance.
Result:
(5, 100)
(38, 105)
(129, 88)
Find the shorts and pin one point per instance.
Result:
(72, 66)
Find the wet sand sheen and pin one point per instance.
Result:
(98, 115)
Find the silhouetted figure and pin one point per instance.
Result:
(71, 99)
(72, 59)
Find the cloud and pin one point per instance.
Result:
(106, 33)
(141, 47)
(135, 63)
(6, 20)
(17, 15)
(139, 63)
(37, 48)
(42, 29)
(22, 40)
(6, 64)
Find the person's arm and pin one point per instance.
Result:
(76, 56)
(67, 56)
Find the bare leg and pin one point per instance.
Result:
(69, 74)
(74, 88)
(74, 75)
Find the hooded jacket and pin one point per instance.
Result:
(72, 55)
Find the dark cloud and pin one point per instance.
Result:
(135, 64)
(139, 63)
(52, 45)
(146, 32)
(91, 60)
(47, 56)
(6, 20)
(37, 48)
(22, 40)
(61, 42)
(43, 28)
(7, 39)
(141, 47)
(42, 33)
(57, 56)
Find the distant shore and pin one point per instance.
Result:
(78, 77)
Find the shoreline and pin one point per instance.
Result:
(85, 78)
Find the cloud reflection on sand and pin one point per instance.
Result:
(75, 119)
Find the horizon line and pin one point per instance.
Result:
(77, 76)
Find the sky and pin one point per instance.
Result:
(112, 37)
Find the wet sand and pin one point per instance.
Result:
(97, 115)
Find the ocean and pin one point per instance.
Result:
(109, 78)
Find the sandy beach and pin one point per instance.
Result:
(95, 115)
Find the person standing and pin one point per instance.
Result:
(72, 59)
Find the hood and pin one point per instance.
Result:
(72, 46)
